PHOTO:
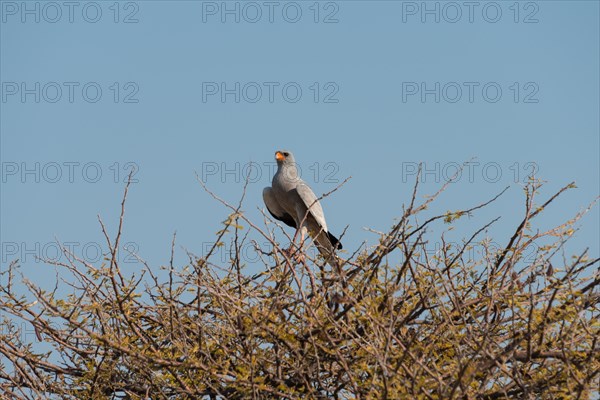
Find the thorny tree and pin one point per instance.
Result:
(400, 323)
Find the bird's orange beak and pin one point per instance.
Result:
(279, 156)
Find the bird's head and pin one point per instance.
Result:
(286, 165)
(284, 157)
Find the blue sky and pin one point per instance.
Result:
(366, 89)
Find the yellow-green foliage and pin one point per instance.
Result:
(395, 323)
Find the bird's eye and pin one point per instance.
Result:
(286, 154)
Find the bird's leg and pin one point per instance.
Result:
(297, 252)
(300, 256)
(291, 250)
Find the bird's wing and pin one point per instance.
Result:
(275, 209)
(312, 204)
(310, 200)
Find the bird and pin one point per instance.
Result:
(293, 202)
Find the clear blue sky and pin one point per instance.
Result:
(384, 85)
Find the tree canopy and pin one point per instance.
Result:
(390, 322)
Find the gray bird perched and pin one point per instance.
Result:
(291, 201)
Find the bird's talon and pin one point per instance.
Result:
(294, 254)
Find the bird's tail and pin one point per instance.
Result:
(326, 243)
(335, 242)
